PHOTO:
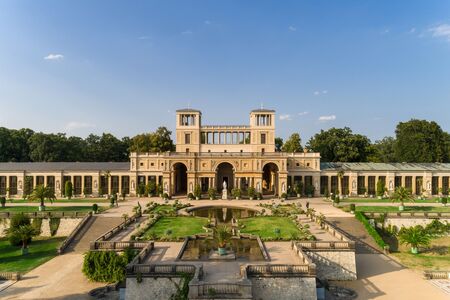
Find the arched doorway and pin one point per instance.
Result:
(180, 178)
(224, 172)
(270, 179)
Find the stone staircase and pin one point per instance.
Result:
(96, 226)
(364, 243)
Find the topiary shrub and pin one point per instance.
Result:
(352, 207)
(68, 189)
(95, 207)
(37, 225)
(3, 201)
(16, 221)
(54, 225)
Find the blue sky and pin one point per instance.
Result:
(126, 66)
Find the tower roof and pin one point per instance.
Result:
(188, 110)
(263, 110)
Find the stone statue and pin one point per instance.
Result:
(224, 185)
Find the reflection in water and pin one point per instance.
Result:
(244, 249)
(223, 214)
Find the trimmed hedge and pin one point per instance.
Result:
(54, 225)
(370, 230)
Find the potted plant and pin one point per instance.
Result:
(212, 193)
(298, 189)
(160, 190)
(336, 201)
(40, 193)
(236, 192)
(444, 201)
(415, 237)
(191, 196)
(326, 193)
(402, 194)
(3, 201)
(380, 189)
(310, 190)
(251, 192)
(284, 196)
(259, 196)
(24, 233)
(95, 208)
(151, 188)
(197, 192)
(222, 235)
(165, 196)
(352, 208)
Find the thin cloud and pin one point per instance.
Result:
(144, 37)
(285, 117)
(412, 30)
(441, 31)
(52, 56)
(385, 31)
(186, 32)
(207, 22)
(327, 118)
(323, 92)
(74, 125)
(303, 113)
(292, 28)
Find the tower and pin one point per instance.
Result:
(188, 130)
(262, 124)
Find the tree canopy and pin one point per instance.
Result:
(341, 144)
(158, 141)
(421, 141)
(293, 144)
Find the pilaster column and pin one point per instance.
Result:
(82, 185)
(439, 184)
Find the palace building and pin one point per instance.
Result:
(243, 156)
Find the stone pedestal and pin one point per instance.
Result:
(224, 194)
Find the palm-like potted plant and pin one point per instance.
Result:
(212, 193)
(298, 189)
(415, 237)
(222, 235)
(236, 192)
(402, 194)
(197, 192)
(24, 233)
(3, 201)
(40, 193)
(251, 192)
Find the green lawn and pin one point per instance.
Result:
(40, 251)
(27, 209)
(375, 200)
(265, 227)
(164, 209)
(408, 208)
(73, 200)
(434, 257)
(180, 227)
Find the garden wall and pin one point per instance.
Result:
(286, 288)
(410, 222)
(66, 226)
(334, 264)
(152, 287)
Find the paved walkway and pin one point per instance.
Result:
(61, 277)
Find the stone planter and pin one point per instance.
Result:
(414, 250)
(197, 198)
(251, 198)
(298, 195)
(222, 251)
(401, 208)
(41, 208)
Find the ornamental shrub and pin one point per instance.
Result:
(251, 192)
(95, 207)
(380, 188)
(37, 224)
(141, 189)
(68, 189)
(212, 193)
(197, 191)
(370, 230)
(54, 225)
(352, 207)
(105, 266)
(16, 221)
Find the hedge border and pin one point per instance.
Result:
(370, 230)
